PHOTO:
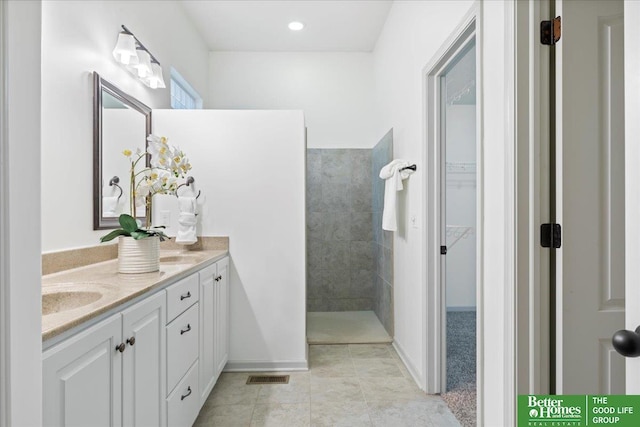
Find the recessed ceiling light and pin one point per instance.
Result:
(296, 26)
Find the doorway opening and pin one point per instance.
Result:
(349, 256)
(452, 146)
(458, 224)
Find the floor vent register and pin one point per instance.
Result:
(268, 379)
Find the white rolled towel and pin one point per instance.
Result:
(393, 176)
(109, 206)
(187, 221)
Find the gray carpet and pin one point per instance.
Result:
(461, 366)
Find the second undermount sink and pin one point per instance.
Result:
(58, 301)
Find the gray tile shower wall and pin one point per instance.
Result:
(340, 248)
(382, 154)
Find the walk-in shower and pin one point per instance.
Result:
(349, 257)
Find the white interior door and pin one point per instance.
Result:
(590, 196)
(632, 181)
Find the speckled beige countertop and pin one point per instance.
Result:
(101, 289)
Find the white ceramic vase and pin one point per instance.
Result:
(138, 256)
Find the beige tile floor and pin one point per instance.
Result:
(347, 385)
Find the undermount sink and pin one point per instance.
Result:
(56, 302)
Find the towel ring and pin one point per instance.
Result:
(114, 181)
(190, 181)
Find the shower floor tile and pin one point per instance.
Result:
(345, 327)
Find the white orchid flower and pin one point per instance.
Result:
(144, 189)
(167, 163)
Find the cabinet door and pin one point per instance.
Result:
(82, 378)
(143, 370)
(207, 364)
(222, 315)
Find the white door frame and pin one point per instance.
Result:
(435, 311)
(20, 235)
(4, 253)
(532, 198)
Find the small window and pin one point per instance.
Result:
(183, 95)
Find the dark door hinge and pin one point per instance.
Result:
(550, 235)
(550, 31)
(443, 250)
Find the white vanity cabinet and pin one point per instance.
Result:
(153, 363)
(214, 324)
(111, 373)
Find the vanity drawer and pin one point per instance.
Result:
(181, 296)
(182, 345)
(183, 404)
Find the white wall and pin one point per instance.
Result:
(414, 31)
(20, 279)
(334, 89)
(250, 168)
(77, 38)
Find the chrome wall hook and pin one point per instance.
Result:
(190, 180)
(114, 181)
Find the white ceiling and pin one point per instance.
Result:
(250, 25)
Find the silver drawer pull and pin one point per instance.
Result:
(184, 396)
(185, 296)
(184, 331)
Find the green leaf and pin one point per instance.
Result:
(139, 235)
(128, 223)
(113, 235)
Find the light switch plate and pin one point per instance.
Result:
(414, 220)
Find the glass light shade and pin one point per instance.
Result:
(125, 50)
(143, 67)
(296, 26)
(156, 80)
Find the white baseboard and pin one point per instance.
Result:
(266, 366)
(412, 369)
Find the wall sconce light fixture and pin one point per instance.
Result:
(138, 60)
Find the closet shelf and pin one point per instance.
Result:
(460, 167)
(456, 233)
